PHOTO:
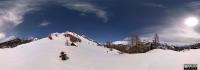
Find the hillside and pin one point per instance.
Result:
(44, 54)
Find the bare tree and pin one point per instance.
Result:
(137, 41)
(156, 40)
(134, 40)
(108, 44)
(131, 41)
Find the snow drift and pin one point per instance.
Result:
(44, 54)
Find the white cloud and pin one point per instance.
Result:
(11, 14)
(176, 34)
(2, 35)
(85, 7)
(120, 42)
(12, 11)
(7, 38)
(45, 23)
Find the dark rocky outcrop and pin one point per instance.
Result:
(13, 43)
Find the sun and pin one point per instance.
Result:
(191, 21)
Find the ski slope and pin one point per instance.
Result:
(44, 54)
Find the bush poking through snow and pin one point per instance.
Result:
(56, 35)
(65, 35)
(50, 37)
(63, 56)
(72, 44)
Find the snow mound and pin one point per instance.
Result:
(44, 53)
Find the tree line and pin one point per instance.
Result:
(135, 45)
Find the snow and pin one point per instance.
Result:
(44, 54)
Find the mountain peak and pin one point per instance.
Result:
(72, 37)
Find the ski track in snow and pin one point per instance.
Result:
(44, 55)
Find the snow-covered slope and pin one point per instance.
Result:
(44, 54)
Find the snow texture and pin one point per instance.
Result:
(44, 54)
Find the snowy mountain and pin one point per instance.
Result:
(43, 54)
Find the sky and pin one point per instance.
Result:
(101, 20)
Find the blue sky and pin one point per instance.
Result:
(102, 20)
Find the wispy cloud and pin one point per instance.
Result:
(45, 23)
(85, 7)
(175, 34)
(155, 5)
(12, 11)
(174, 31)
(194, 4)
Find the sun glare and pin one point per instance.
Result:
(191, 21)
